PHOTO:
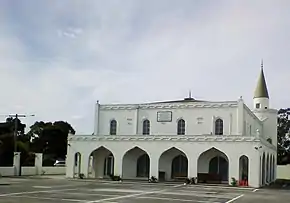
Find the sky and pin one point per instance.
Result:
(57, 58)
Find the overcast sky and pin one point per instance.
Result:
(57, 58)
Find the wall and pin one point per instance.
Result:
(130, 121)
(7, 171)
(283, 172)
(251, 123)
(233, 150)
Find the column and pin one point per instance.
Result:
(230, 124)
(233, 168)
(69, 163)
(118, 164)
(38, 163)
(84, 164)
(212, 130)
(192, 165)
(154, 166)
(16, 163)
(96, 122)
(240, 117)
(254, 171)
(136, 121)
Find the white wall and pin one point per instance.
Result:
(283, 172)
(130, 120)
(7, 171)
(252, 123)
(233, 150)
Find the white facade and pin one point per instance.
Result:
(214, 141)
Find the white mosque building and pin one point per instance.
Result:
(214, 141)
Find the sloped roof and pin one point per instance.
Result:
(261, 90)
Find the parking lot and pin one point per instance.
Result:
(26, 190)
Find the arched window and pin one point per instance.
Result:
(146, 127)
(181, 127)
(113, 127)
(219, 127)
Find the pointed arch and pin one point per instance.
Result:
(181, 127)
(219, 126)
(244, 168)
(213, 166)
(113, 127)
(136, 163)
(267, 168)
(101, 162)
(77, 164)
(146, 127)
(173, 164)
(263, 169)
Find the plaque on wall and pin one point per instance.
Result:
(164, 116)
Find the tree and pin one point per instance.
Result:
(283, 151)
(7, 141)
(50, 138)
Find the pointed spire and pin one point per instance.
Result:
(189, 94)
(261, 88)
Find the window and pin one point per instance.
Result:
(219, 127)
(258, 105)
(181, 127)
(146, 127)
(113, 127)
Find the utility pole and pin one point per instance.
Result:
(16, 116)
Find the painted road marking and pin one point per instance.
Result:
(44, 187)
(33, 192)
(174, 199)
(131, 195)
(50, 198)
(234, 199)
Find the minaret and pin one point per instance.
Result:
(261, 96)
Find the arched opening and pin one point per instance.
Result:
(146, 127)
(101, 163)
(274, 168)
(136, 164)
(213, 167)
(181, 127)
(113, 127)
(267, 169)
(263, 169)
(219, 127)
(271, 168)
(173, 165)
(77, 164)
(244, 168)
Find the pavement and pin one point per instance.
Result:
(57, 190)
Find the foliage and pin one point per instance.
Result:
(234, 182)
(283, 127)
(47, 138)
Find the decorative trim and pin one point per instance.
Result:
(170, 106)
(175, 138)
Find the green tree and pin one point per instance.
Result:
(283, 148)
(7, 142)
(50, 139)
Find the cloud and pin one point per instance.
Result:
(58, 58)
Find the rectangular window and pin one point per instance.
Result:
(258, 105)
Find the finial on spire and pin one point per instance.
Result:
(189, 94)
(262, 64)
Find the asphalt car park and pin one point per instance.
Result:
(32, 190)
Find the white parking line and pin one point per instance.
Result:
(174, 199)
(234, 199)
(34, 192)
(49, 198)
(129, 196)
